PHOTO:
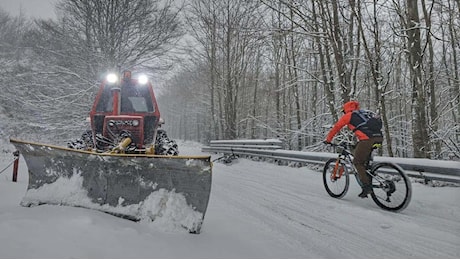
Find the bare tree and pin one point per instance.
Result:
(430, 81)
(353, 49)
(374, 58)
(420, 136)
(225, 30)
(68, 57)
(124, 33)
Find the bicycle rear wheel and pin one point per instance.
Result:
(336, 179)
(392, 188)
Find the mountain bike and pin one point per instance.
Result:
(392, 189)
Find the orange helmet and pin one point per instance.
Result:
(350, 106)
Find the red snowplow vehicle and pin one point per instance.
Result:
(125, 165)
(125, 119)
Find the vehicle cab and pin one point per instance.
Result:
(126, 106)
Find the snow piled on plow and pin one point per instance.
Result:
(166, 210)
(65, 191)
(169, 210)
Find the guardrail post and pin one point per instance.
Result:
(15, 166)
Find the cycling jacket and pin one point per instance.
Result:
(349, 119)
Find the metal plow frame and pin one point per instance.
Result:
(134, 186)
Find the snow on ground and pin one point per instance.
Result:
(256, 210)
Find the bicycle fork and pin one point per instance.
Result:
(338, 170)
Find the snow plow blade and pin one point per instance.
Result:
(139, 187)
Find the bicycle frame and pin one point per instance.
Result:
(346, 158)
(391, 186)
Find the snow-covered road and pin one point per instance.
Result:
(256, 210)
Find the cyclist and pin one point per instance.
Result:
(366, 139)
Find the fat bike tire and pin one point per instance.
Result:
(337, 186)
(392, 189)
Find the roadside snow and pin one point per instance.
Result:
(256, 210)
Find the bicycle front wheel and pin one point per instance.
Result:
(392, 188)
(336, 179)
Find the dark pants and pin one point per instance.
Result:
(361, 156)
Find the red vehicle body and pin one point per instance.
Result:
(125, 119)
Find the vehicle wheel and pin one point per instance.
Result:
(392, 188)
(337, 183)
(83, 143)
(164, 145)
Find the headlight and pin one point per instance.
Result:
(142, 79)
(135, 122)
(112, 78)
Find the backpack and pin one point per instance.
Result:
(371, 122)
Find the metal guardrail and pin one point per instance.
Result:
(426, 169)
(268, 144)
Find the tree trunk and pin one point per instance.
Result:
(420, 138)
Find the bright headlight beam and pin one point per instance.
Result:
(112, 78)
(142, 79)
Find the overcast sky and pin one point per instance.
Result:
(32, 8)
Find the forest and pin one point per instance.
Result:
(235, 69)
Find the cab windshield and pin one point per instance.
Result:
(134, 98)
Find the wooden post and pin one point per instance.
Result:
(15, 166)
